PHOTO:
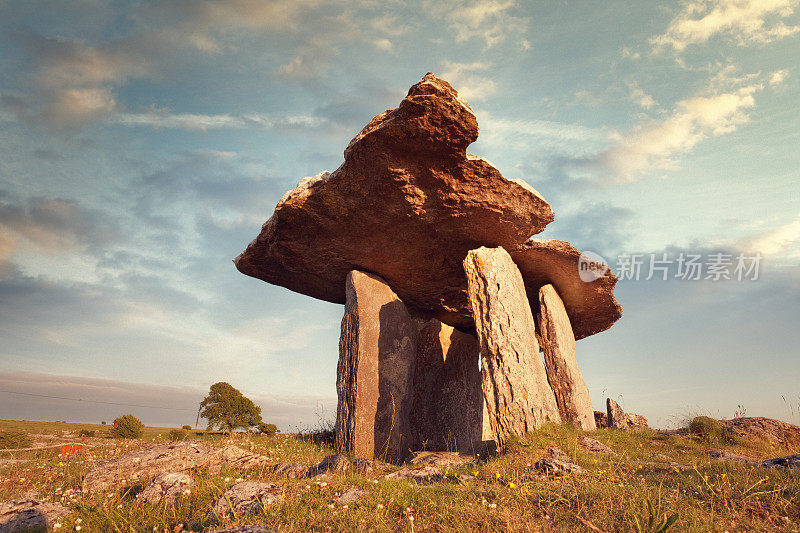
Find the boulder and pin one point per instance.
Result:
(619, 419)
(447, 409)
(441, 459)
(557, 467)
(766, 429)
(408, 168)
(594, 446)
(149, 461)
(351, 496)
(377, 352)
(558, 346)
(518, 397)
(426, 473)
(333, 463)
(788, 462)
(30, 514)
(169, 485)
(290, 470)
(247, 496)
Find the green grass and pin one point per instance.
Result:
(710, 496)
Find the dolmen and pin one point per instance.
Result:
(459, 328)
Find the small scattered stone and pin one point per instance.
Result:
(290, 470)
(557, 467)
(557, 453)
(247, 496)
(788, 462)
(333, 463)
(169, 485)
(465, 478)
(30, 514)
(441, 459)
(426, 473)
(594, 446)
(351, 496)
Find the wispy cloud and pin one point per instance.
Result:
(658, 144)
(193, 121)
(778, 77)
(746, 21)
(492, 21)
(470, 85)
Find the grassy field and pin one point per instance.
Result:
(709, 496)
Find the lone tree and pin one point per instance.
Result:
(227, 408)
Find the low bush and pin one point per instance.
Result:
(268, 429)
(187, 427)
(127, 427)
(178, 434)
(10, 440)
(713, 431)
(86, 433)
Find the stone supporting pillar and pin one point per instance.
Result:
(447, 413)
(558, 346)
(515, 387)
(377, 352)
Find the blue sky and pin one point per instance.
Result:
(142, 145)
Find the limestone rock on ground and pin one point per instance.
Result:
(169, 485)
(30, 514)
(557, 453)
(351, 496)
(723, 455)
(152, 460)
(408, 168)
(594, 446)
(441, 459)
(789, 462)
(515, 387)
(333, 463)
(426, 473)
(557, 467)
(247, 496)
(619, 419)
(768, 429)
(248, 529)
(377, 353)
(364, 465)
(558, 347)
(290, 470)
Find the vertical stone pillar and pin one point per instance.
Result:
(377, 352)
(447, 413)
(515, 386)
(558, 346)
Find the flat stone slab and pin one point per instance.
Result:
(407, 204)
(247, 496)
(441, 459)
(594, 446)
(169, 486)
(30, 514)
(426, 473)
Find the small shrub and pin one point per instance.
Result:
(713, 431)
(10, 440)
(187, 427)
(127, 427)
(177, 434)
(268, 429)
(103, 422)
(86, 433)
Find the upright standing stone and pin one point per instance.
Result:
(448, 407)
(616, 416)
(377, 350)
(558, 346)
(515, 386)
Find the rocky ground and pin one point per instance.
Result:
(556, 479)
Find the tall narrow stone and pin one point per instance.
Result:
(377, 351)
(448, 408)
(515, 386)
(558, 346)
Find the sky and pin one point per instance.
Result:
(143, 144)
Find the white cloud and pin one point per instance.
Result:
(639, 97)
(192, 121)
(489, 20)
(747, 21)
(468, 84)
(658, 144)
(780, 243)
(778, 77)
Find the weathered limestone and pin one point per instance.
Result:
(515, 386)
(448, 408)
(377, 351)
(558, 346)
(407, 203)
(619, 419)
